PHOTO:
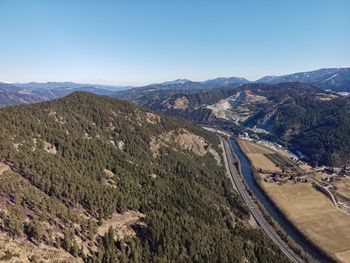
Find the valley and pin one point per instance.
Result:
(127, 154)
(134, 148)
(174, 131)
(301, 163)
(309, 209)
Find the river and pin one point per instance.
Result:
(271, 208)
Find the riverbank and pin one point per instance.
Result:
(308, 210)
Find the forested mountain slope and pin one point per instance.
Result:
(308, 119)
(107, 181)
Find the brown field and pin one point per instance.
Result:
(310, 211)
(343, 187)
(255, 153)
(261, 161)
(249, 147)
(315, 215)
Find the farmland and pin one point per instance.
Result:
(308, 209)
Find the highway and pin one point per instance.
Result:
(257, 214)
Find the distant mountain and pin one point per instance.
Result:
(10, 95)
(334, 79)
(180, 85)
(223, 82)
(207, 84)
(175, 82)
(25, 93)
(66, 85)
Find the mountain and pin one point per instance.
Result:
(223, 82)
(334, 79)
(180, 85)
(71, 85)
(185, 84)
(288, 113)
(313, 123)
(24, 93)
(10, 95)
(176, 82)
(87, 178)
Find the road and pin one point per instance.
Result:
(257, 214)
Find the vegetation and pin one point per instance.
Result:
(300, 116)
(315, 126)
(59, 151)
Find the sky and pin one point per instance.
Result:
(139, 42)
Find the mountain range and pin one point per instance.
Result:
(332, 79)
(214, 101)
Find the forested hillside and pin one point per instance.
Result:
(305, 118)
(313, 122)
(107, 181)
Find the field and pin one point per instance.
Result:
(309, 210)
(248, 147)
(343, 187)
(261, 161)
(315, 215)
(256, 154)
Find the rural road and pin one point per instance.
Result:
(257, 214)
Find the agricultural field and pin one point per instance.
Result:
(249, 148)
(343, 187)
(315, 215)
(257, 155)
(308, 209)
(261, 161)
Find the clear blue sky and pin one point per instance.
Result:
(138, 42)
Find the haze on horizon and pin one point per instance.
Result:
(141, 42)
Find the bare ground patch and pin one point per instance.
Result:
(152, 118)
(181, 103)
(182, 139)
(121, 224)
(49, 148)
(4, 168)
